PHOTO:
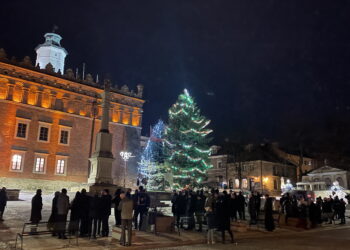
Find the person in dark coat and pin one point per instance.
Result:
(117, 212)
(141, 207)
(342, 209)
(62, 212)
(210, 209)
(190, 209)
(241, 206)
(37, 206)
(94, 216)
(75, 208)
(51, 224)
(84, 213)
(174, 202)
(3, 202)
(257, 204)
(223, 215)
(313, 213)
(269, 223)
(327, 210)
(252, 209)
(180, 208)
(234, 204)
(199, 209)
(105, 209)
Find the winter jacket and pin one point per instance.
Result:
(126, 206)
(62, 204)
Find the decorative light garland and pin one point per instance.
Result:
(187, 160)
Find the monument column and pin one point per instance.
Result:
(101, 160)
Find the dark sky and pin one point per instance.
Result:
(258, 69)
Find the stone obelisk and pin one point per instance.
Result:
(101, 160)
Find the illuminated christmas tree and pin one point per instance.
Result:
(186, 140)
(151, 167)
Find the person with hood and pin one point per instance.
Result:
(51, 224)
(37, 206)
(126, 207)
(62, 212)
(3, 202)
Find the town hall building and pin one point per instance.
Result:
(49, 118)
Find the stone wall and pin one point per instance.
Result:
(33, 184)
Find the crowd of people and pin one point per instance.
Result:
(217, 210)
(89, 215)
(314, 212)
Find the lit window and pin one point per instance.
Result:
(244, 183)
(61, 166)
(16, 162)
(39, 165)
(236, 183)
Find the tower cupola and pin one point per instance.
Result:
(51, 52)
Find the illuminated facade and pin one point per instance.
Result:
(256, 168)
(48, 126)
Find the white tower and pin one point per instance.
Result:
(51, 52)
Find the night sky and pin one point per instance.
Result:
(260, 70)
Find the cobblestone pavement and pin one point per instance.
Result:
(326, 237)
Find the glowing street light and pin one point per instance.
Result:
(125, 156)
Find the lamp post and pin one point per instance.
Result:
(125, 156)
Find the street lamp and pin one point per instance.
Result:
(125, 156)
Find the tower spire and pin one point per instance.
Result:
(51, 52)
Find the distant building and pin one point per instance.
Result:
(258, 168)
(323, 178)
(307, 163)
(49, 119)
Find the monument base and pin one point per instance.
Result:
(98, 187)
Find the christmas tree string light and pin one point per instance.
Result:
(151, 169)
(186, 141)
